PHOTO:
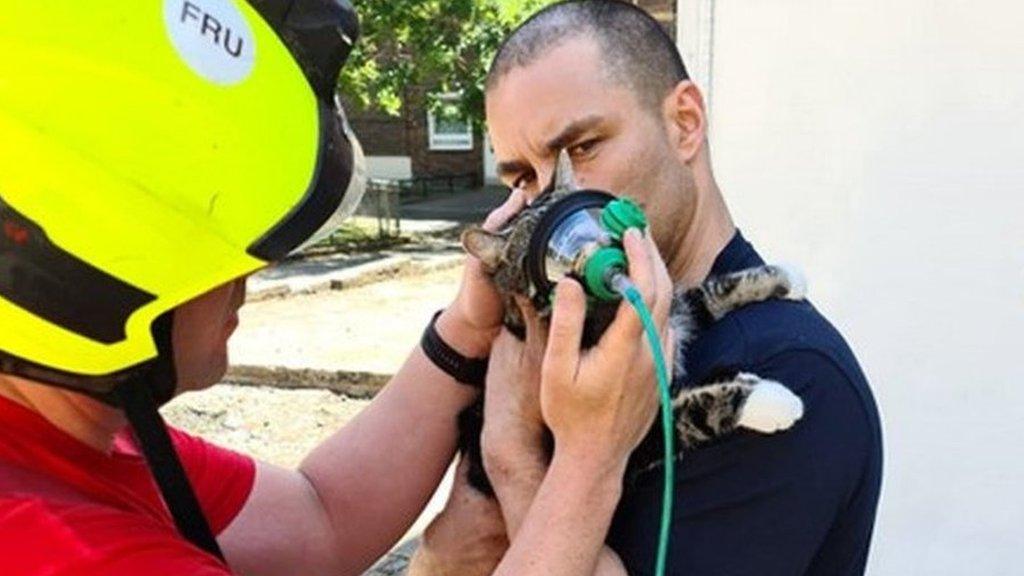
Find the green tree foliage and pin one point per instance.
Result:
(412, 51)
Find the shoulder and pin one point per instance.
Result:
(41, 536)
(795, 345)
(202, 452)
(200, 456)
(780, 336)
(222, 479)
(759, 331)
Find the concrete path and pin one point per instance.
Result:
(367, 330)
(341, 271)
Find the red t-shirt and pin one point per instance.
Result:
(115, 522)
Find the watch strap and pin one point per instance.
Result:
(469, 371)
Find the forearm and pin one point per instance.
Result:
(516, 489)
(375, 475)
(563, 533)
(516, 485)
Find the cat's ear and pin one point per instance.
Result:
(485, 246)
(564, 177)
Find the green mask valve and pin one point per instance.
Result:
(599, 269)
(618, 216)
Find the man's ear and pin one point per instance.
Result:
(686, 120)
(485, 246)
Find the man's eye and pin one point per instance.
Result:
(583, 148)
(523, 180)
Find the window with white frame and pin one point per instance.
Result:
(447, 128)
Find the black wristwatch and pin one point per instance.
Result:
(469, 371)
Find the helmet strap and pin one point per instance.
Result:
(140, 397)
(160, 377)
(141, 410)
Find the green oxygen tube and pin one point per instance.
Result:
(605, 278)
(632, 295)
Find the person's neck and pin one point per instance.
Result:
(85, 419)
(704, 237)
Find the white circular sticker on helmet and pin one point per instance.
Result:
(213, 37)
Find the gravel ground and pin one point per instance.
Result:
(277, 426)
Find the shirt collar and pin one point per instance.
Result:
(737, 255)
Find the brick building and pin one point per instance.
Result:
(417, 144)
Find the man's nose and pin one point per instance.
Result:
(239, 290)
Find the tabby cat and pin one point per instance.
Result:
(702, 413)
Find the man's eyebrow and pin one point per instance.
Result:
(512, 168)
(572, 132)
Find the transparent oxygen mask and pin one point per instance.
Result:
(580, 236)
(572, 242)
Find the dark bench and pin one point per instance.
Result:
(384, 196)
(423, 186)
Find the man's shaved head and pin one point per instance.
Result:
(636, 52)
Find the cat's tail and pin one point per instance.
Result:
(745, 401)
(770, 407)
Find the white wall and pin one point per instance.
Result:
(490, 164)
(880, 144)
(389, 167)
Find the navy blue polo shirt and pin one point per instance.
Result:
(799, 502)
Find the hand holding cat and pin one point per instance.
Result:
(472, 321)
(466, 539)
(512, 415)
(599, 403)
(514, 452)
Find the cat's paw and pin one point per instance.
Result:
(770, 407)
(795, 280)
